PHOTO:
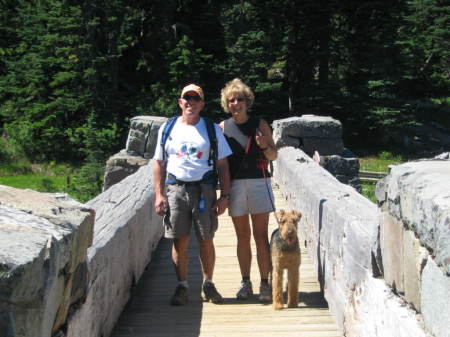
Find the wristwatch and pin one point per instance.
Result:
(226, 196)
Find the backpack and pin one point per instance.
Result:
(213, 146)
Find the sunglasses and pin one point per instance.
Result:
(239, 99)
(194, 97)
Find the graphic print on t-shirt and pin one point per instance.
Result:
(189, 151)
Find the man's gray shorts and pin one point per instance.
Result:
(183, 211)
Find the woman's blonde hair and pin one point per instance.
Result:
(238, 87)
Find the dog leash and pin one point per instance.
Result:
(268, 191)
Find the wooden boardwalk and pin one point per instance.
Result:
(149, 313)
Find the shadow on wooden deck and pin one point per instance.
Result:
(149, 313)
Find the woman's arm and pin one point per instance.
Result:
(265, 141)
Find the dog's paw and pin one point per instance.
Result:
(292, 305)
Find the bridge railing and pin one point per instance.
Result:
(354, 252)
(126, 232)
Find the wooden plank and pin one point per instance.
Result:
(372, 174)
(149, 313)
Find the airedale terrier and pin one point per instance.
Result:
(285, 252)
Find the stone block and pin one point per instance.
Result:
(415, 257)
(325, 146)
(308, 126)
(435, 295)
(391, 243)
(143, 135)
(120, 166)
(419, 193)
(346, 165)
(287, 141)
(44, 240)
(374, 311)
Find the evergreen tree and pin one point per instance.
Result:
(425, 42)
(42, 69)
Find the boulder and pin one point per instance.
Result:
(322, 135)
(143, 135)
(140, 147)
(44, 240)
(120, 166)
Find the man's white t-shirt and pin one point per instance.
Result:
(187, 149)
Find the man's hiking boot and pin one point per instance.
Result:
(180, 297)
(211, 293)
(245, 291)
(265, 293)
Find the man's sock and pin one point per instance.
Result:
(183, 283)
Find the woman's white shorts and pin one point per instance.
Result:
(251, 196)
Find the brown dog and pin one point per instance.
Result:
(285, 252)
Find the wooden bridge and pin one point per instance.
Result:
(149, 313)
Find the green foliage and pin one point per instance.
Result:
(424, 41)
(88, 182)
(64, 64)
(368, 190)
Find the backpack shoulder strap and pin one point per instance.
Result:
(166, 132)
(213, 147)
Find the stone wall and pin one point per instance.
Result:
(341, 230)
(61, 274)
(43, 270)
(415, 237)
(126, 231)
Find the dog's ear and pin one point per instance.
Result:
(280, 214)
(297, 215)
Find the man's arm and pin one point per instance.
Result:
(224, 180)
(159, 176)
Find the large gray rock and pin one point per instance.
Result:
(120, 166)
(435, 293)
(126, 232)
(140, 147)
(322, 135)
(44, 240)
(143, 135)
(418, 193)
(341, 229)
(309, 133)
(415, 239)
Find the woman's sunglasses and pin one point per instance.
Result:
(239, 99)
(194, 97)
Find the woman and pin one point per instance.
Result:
(251, 140)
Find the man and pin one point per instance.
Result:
(189, 198)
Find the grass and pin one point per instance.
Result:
(377, 163)
(41, 183)
(380, 162)
(44, 177)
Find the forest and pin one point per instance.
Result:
(73, 73)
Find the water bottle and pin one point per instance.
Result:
(201, 204)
